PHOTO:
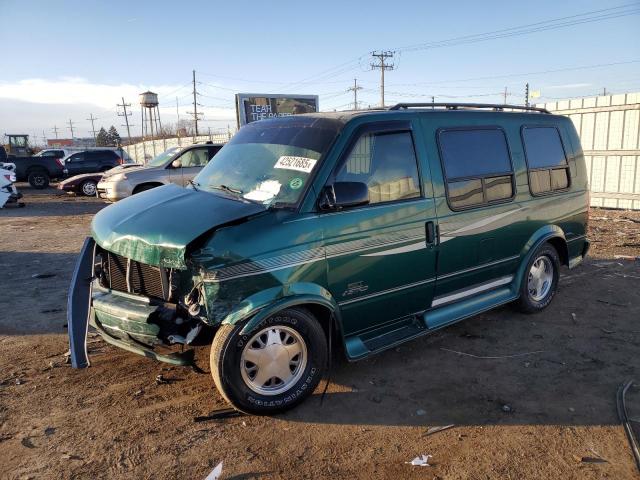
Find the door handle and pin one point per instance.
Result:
(430, 230)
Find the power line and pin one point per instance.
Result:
(382, 56)
(555, 23)
(549, 24)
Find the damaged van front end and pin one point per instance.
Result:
(134, 281)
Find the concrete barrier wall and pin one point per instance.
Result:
(142, 152)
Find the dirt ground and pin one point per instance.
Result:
(547, 411)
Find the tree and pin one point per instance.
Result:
(113, 137)
(102, 139)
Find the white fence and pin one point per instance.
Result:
(142, 152)
(609, 129)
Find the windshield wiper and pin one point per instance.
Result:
(195, 185)
(226, 188)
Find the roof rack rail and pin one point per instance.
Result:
(456, 106)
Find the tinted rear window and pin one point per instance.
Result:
(543, 147)
(474, 153)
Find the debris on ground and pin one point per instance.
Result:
(627, 422)
(420, 461)
(160, 380)
(219, 415)
(49, 431)
(420, 412)
(43, 275)
(433, 430)
(507, 408)
(26, 442)
(593, 460)
(494, 357)
(215, 473)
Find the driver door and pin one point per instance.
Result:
(381, 266)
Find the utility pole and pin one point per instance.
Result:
(195, 103)
(433, 101)
(93, 129)
(382, 65)
(177, 111)
(71, 128)
(526, 95)
(126, 116)
(505, 95)
(355, 89)
(604, 91)
(55, 131)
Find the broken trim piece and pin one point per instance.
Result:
(78, 305)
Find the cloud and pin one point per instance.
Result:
(45, 102)
(568, 86)
(78, 90)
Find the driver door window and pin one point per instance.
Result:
(386, 163)
(197, 157)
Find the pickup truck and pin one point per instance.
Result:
(38, 171)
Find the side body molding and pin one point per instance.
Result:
(78, 305)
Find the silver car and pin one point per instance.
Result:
(177, 165)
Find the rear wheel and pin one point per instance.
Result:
(540, 281)
(88, 188)
(38, 179)
(274, 367)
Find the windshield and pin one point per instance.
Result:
(270, 161)
(164, 157)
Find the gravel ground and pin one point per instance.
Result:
(539, 415)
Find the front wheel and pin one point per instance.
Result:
(540, 281)
(274, 367)
(88, 188)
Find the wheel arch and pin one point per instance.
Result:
(311, 297)
(551, 234)
(153, 184)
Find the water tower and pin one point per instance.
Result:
(150, 117)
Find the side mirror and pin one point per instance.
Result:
(176, 164)
(344, 195)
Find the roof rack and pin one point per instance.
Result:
(455, 106)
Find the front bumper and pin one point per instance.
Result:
(127, 321)
(114, 191)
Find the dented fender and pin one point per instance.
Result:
(261, 305)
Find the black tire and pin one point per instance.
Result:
(529, 302)
(38, 179)
(88, 188)
(226, 363)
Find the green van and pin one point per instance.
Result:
(363, 228)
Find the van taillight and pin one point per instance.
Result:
(120, 161)
(59, 161)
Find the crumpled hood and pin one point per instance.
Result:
(155, 227)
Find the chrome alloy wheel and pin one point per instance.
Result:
(540, 278)
(89, 189)
(273, 360)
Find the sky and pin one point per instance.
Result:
(67, 60)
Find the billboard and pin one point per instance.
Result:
(251, 107)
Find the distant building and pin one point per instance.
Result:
(609, 129)
(68, 142)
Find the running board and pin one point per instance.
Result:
(391, 335)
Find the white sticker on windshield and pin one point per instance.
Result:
(264, 192)
(301, 164)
